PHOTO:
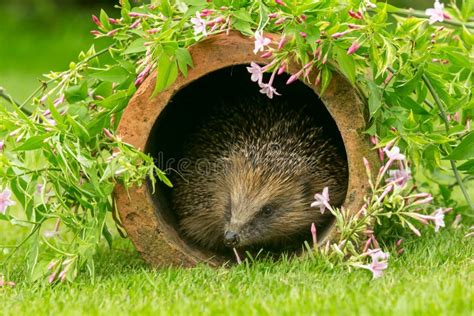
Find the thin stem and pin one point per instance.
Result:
(15, 248)
(9, 99)
(421, 14)
(446, 125)
(45, 83)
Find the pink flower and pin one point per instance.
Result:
(260, 42)
(414, 230)
(394, 153)
(39, 188)
(52, 277)
(268, 89)
(199, 25)
(282, 42)
(303, 34)
(279, 2)
(256, 71)
(313, 234)
(385, 192)
(96, 21)
(5, 200)
(62, 275)
(1, 144)
(206, 12)
(135, 24)
(354, 47)
(356, 15)
(108, 134)
(282, 68)
(4, 283)
(436, 14)
(341, 34)
(322, 200)
(59, 100)
(425, 200)
(294, 77)
(378, 264)
(280, 21)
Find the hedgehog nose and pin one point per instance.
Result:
(231, 238)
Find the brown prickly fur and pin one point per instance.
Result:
(248, 155)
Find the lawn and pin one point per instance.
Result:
(434, 275)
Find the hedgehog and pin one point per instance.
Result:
(252, 169)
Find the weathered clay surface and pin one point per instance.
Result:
(158, 242)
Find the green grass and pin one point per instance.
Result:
(433, 277)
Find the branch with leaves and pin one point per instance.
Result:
(60, 162)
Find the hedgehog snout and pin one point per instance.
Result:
(231, 238)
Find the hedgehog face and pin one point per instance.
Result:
(266, 208)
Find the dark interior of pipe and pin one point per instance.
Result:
(191, 105)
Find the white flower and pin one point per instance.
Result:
(436, 14)
(438, 219)
(268, 90)
(394, 153)
(322, 200)
(199, 25)
(369, 4)
(260, 42)
(256, 71)
(50, 233)
(378, 255)
(399, 176)
(378, 264)
(5, 200)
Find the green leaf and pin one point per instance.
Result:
(115, 74)
(76, 93)
(137, 46)
(375, 98)
(104, 89)
(410, 104)
(126, 7)
(242, 26)
(166, 8)
(464, 150)
(243, 15)
(184, 60)
(195, 2)
(407, 87)
(33, 142)
(104, 19)
(467, 167)
(80, 130)
(114, 100)
(346, 64)
(167, 73)
(326, 77)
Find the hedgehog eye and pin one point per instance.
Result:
(267, 210)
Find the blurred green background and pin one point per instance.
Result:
(37, 36)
